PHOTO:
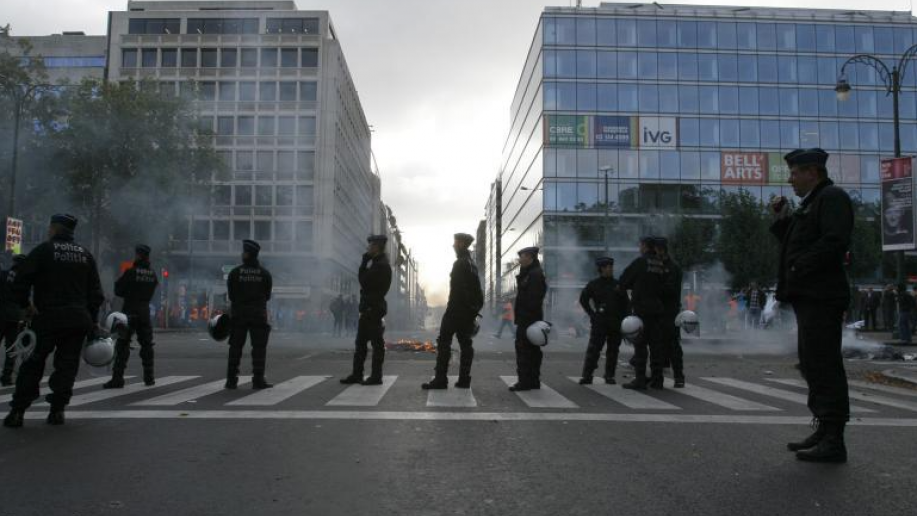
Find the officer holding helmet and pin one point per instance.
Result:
(249, 288)
(62, 279)
(644, 277)
(10, 317)
(531, 288)
(672, 280)
(607, 305)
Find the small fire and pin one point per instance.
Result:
(411, 345)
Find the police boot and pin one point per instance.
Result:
(148, 379)
(520, 386)
(657, 381)
(679, 382)
(463, 382)
(375, 377)
(56, 416)
(116, 382)
(146, 356)
(639, 383)
(810, 441)
(464, 379)
(14, 418)
(586, 380)
(352, 379)
(258, 382)
(438, 382)
(6, 381)
(232, 382)
(831, 448)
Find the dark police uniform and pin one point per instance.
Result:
(249, 287)
(813, 243)
(607, 305)
(136, 286)
(531, 288)
(62, 278)
(10, 317)
(671, 301)
(645, 277)
(465, 301)
(375, 276)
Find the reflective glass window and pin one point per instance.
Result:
(627, 65)
(824, 38)
(710, 166)
(669, 165)
(706, 34)
(249, 57)
(864, 38)
(649, 164)
(667, 65)
(587, 164)
(666, 34)
(687, 99)
(585, 64)
(789, 101)
(907, 104)
(605, 32)
(288, 91)
(827, 103)
(767, 36)
(550, 96)
(727, 67)
(808, 134)
(148, 59)
(808, 102)
(884, 40)
(129, 58)
(267, 91)
(289, 57)
(628, 164)
(565, 31)
(246, 91)
(268, 57)
(767, 69)
(308, 91)
(751, 135)
(866, 101)
(266, 126)
(828, 135)
(869, 168)
(709, 132)
(748, 68)
(646, 33)
(627, 97)
(827, 70)
(808, 70)
(566, 63)
(587, 196)
(708, 97)
(845, 41)
(746, 36)
(228, 57)
(649, 98)
(768, 101)
(726, 35)
(309, 57)
(786, 36)
(849, 136)
(850, 106)
(687, 34)
(748, 100)
(786, 69)
(770, 134)
(646, 65)
(585, 96)
(607, 65)
(687, 67)
(690, 165)
(207, 90)
(227, 91)
(169, 57)
(729, 100)
(566, 162)
(869, 136)
(668, 99)
(908, 138)
(566, 196)
(805, 38)
(585, 31)
(688, 132)
(886, 138)
(904, 38)
(627, 33)
(607, 97)
(729, 132)
(566, 96)
(706, 67)
(789, 134)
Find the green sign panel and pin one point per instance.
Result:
(567, 131)
(777, 171)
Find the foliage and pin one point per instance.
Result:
(745, 245)
(691, 242)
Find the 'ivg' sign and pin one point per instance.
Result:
(658, 132)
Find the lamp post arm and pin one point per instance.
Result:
(903, 61)
(877, 64)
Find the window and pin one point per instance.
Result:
(828, 135)
(585, 96)
(129, 58)
(669, 165)
(668, 99)
(751, 136)
(605, 32)
(827, 102)
(627, 65)
(149, 56)
(207, 91)
(748, 68)
(585, 31)
(262, 230)
(729, 100)
(786, 36)
(789, 134)
(246, 126)
(789, 102)
(242, 229)
(706, 34)
(229, 58)
(845, 42)
(649, 98)
(728, 68)
(249, 57)
(208, 58)
(245, 161)
(627, 97)
(284, 196)
(726, 35)
(288, 57)
(292, 26)
(690, 165)
(808, 102)
(221, 230)
(607, 97)
(223, 26)
(227, 92)
(748, 101)
(585, 64)
(786, 69)
(667, 65)
(866, 100)
(627, 33)
(225, 126)
(243, 195)
(808, 70)
(767, 69)
(824, 38)
(706, 67)
(222, 195)
(307, 126)
(566, 163)
(606, 65)
(247, 91)
(709, 132)
(200, 229)
(729, 133)
(153, 26)
(564, 63)
(305, 165)
(268, 91)
(746, 36)
(646, 65)
(587, 164)
(767, 36)
(864, 38)
(769, 100)
(283, 229)
(304, 196)
(687, 66)
(904, 38)
(288, 91)
(710, 165)
(285, 161)
(286, 126)
(566, 96)
(310, 58)
(709, 100)
(264, 195)
(265, 161)
(308, 91)
(805, 38)
(268, 57)
(687, 99)
(666, 34)
(169, 58)
(687, 34)
(303, 235)
(869, 136)
(189, 58)
(770, 134)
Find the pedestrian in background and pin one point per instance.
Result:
(889, 308)
(905, 312)
(506, 319)
(871, 303)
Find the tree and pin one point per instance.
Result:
(691, 242)
(744, 244)
(865, 242)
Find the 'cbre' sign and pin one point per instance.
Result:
(658, 132)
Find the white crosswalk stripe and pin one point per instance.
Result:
(190, 394)
(722, 399)
(857, 395)
(628, 398)
(11, 387)
(545, 397)
(884, 388)
(764, 390)
(451, 397)
(279, 392)
(363, 395)
(100, 395)
(76, 385)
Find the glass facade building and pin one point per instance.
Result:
(676, 104)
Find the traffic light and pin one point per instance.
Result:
(165, 273)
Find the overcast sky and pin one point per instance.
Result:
(436, 78)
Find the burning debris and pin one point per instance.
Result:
(411, 345)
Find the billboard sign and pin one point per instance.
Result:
(658, 132)
(615, 131)
(777, 171)
(743, 168)
(13, 235)
(567, 130)
(897, 204)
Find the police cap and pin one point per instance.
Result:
(647, 240)
(250, 246)
(603, 261)
(814, 156)
(465, 238)
(529, 250)
(64, 219)
(661, 242)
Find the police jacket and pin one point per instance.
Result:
(645, 278)
(906, 303)
(813, 243)
(605, 302)
(531, 288)
(137, 286)
(9, 308)
(465, 294)
(375, 277)
(249, 287)
(62, 278)
(671, 286)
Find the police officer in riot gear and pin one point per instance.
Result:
(375, 276)
(465, 301)
(10, 317)
(644, 277)
(136, 286)
(63, 281)
(531, 288)
(671, 301)
(811, 277)
(249, 288)
(607, 305)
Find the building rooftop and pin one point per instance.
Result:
(739, 12)
(211, 5)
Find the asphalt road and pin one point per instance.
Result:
(319, 448)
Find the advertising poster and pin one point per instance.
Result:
(13, 235)
(567, 131)
(897, 204)
(614, 131)
(777, 171)
(743, 168)
(658, 132)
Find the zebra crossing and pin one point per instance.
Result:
(770, 397)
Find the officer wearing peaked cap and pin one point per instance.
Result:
(465, 301)
(811, 277)
(63, 282)
(607, 305)
(531, 288)
(375, 276)
(11, 316)
(671, 302)
(136, 286)
(644, 278)
(249, 287)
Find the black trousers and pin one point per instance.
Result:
(9, 330)
(67, 345)
(528, 357)
(139, 325)
(370, 331)
(671, 335)
(259, 330)
(820, 360)
(888, 319)
(651, 348)
(601, 334)
(338, 325)
(459, 326)
(869, 319)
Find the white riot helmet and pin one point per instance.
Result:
(219, 327)
(538, 332)
(99, 352)
(477, 326)
(116, 323)
(632, 328)
(687, 321)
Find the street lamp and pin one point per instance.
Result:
(606, 169)
(892, 81)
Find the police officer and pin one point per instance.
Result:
(375, 276)
(644, 277)
(249, 287)
(531, 288)
(136, 286)
(607, 305)
(10, 317)
(813, 243)
(671, 301)
(465, 301)
(62, 278)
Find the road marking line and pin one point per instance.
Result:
(857, 395)
(77, 385)
(92, 397)
(884, 388)
(43, 381)
(189, 394)
(719, 398)
(780, 394)
(363, 395)
(451, 397)
(463, 416)
(545, 397)
(280, 392)
(628, 398)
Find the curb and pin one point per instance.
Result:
(892, 374)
